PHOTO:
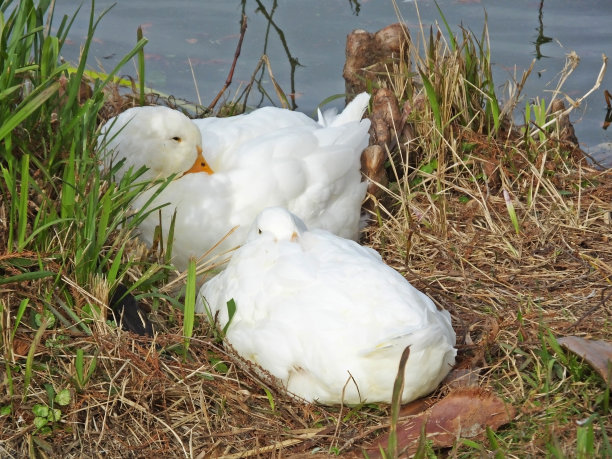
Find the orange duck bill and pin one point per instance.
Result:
(200, 164)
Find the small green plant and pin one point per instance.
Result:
(83, 370)
(217, 364)
(231, 310)
(538, 121)
(511, 211)
(424, 446)
(62, 398)
(45, 416)
(539, 110)
(270, 398)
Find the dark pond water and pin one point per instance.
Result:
(305, 41)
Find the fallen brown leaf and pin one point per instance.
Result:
(597, 353)
(462, 377)
(462, 413)
(416, 407)
(21, 345)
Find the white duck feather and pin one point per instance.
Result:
(269, 157)
(315, 309)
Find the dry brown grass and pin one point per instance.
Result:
(508, 291)
(447, 229)
(503, 290)
(142, 402)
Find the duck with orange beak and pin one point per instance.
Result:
(200, 164)
(229, 169)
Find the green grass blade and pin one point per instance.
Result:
(64, 27)
(606, 445)
(494, 444)
(396, 401)
(140, 45)
(70, 311)
(75, 81)
(26, 277)
(433, 100)
(8, 174)
(511, 211)
(104, 217)
(22, 307)
(451, 35)
(6, 93)
(48, 224)
(111, 276)
(69, 186)
(231, 310)
(23, 201)
(141, 67)
(65, 322)
(170, 240)
(26, 109)
(78, 366)
(421, 452)
(190, 297)
(585, 442)
(50, 54)
(270, 398)
(27, 376)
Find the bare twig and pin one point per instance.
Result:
(576, 103)
(602, 303)
(195, 83)
(228, 81)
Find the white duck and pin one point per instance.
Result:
(314, 309)
(270, 157)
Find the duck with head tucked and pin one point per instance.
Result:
(316, 310)
(229, 169)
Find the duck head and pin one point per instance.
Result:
(162, 139)
(278, 223)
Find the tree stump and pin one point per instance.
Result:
(368, 54)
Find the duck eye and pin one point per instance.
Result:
(176, 138)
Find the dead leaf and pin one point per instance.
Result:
(21, 346)
(462, 377)
(416, 407)
(597, 353)
(466, 413)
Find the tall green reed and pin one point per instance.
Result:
(59, 203)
